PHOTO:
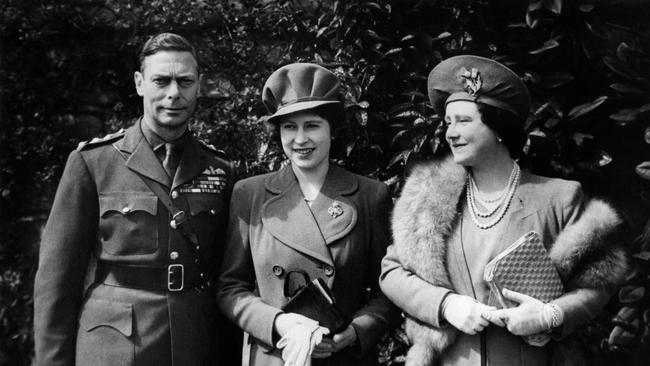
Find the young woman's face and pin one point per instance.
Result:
(306, 140)
(472, 141)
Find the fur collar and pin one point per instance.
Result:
(586, 254)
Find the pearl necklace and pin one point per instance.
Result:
(491, 205)
(501, 208)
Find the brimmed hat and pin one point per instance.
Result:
(478, 79)
(299, 86)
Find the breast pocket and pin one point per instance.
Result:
(105, 334)
(128, 222)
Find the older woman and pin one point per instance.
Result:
(456, 214)
(310, 216)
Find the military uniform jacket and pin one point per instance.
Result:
(341, 238)
(103, 206)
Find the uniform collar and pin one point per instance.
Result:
(142, 160)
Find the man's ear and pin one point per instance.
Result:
(138, 78)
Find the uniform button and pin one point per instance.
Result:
(278, 270)
(173, 224)
(197, 247)
(213, 212)
(126, 209)
(329, 270)
(173, 255)
(201, 274)
(174, 194)
(196, 261)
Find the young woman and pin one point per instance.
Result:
(310, 216)
(456, 214)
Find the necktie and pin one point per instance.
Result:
(170, 162)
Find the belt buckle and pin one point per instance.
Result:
(172, 271)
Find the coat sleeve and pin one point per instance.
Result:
(236, 284)
(378, 315)
(68, 239)
(585, 230)
(417, 297)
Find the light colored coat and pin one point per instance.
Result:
(420, 269)
(272, 231)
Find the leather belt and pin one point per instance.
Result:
(172, 278)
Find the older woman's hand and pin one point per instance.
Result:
(332, 345)
(530, 317)
(465, 313)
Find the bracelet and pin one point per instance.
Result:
(557, 315)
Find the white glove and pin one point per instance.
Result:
(301, 335)
(530, 317)
(465, 313)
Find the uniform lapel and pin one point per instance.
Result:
(193, 162)
(288, 218)
(141, 158)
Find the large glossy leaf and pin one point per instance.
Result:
(621, 69)
(631, 294)
(625, 116)
(553, 5)
(627, 89)
(585, 108)
(643, 170)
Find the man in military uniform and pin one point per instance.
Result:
(150, 204)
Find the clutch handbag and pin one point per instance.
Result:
(524, 267)
(314, 300)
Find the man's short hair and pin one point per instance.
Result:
(166, 42)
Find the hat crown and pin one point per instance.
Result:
(300, 85)
(478, 79)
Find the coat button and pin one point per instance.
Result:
(329, 270)
(126, 209)
(213, 212)
(173, 255)
(278, 270)
(174, 194)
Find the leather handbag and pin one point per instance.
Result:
(524, 267)
(314, 300)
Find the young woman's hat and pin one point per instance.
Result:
(299, 86)
(480, 80)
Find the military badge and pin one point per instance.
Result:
(210, 180)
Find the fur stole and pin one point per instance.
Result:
(586, 254)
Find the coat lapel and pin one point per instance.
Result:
(141, 158)
(519, 209)
(309, 229)
(334, 213)
(193, 162)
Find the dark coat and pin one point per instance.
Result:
(584, 240)
(103, 209)
(272, 231)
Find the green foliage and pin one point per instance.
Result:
(66, 76)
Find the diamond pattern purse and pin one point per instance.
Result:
(524, 267)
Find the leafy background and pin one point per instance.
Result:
(66, 76)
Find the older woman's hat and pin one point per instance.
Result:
(297, 87)
(480, 80)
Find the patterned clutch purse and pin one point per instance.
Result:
(524, 267)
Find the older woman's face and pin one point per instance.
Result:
(306, 140)
(472, 141)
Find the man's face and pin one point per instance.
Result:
(169, 85)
